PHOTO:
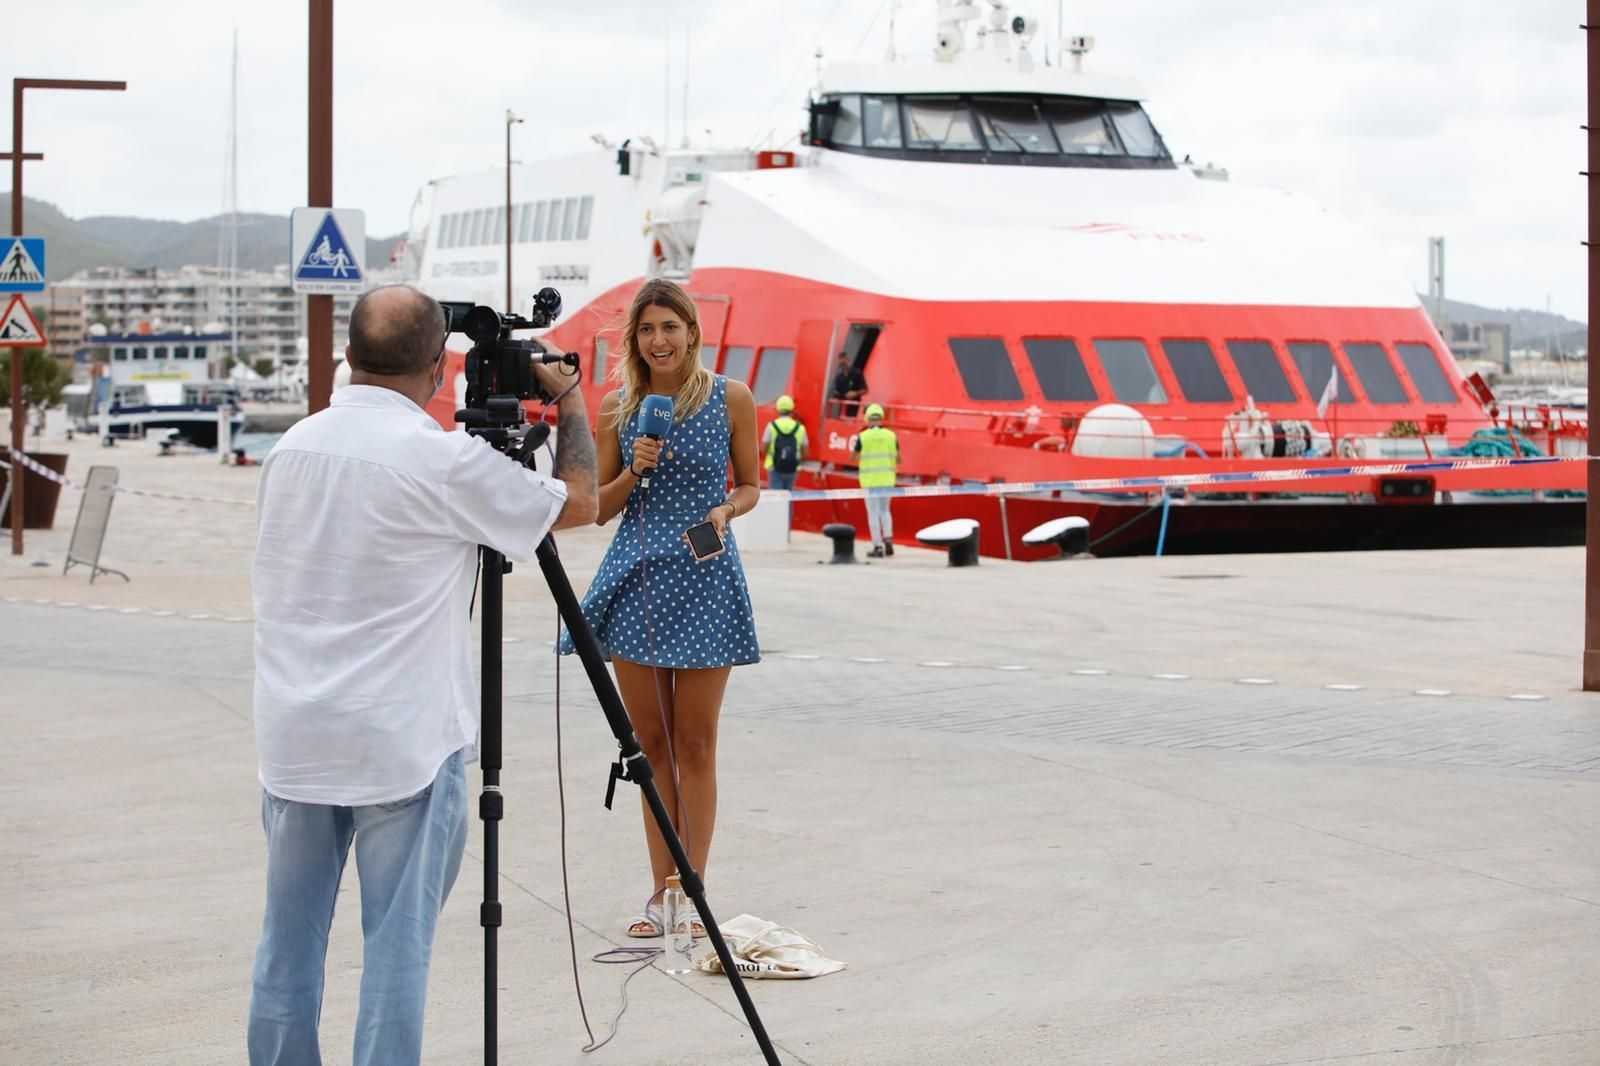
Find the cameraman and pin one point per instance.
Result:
(369, 520)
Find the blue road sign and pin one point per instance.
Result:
(327, 255)
(22, 264)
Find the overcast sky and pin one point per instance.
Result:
(1415, 117)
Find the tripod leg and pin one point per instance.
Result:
(491, 805)
(639, 772)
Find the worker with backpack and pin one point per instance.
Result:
(785, 445)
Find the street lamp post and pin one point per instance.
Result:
(19, 410)
(511, 120)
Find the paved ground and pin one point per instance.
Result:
(1081, 840)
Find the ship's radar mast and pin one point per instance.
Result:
(1001, 36)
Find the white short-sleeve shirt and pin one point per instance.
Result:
(369, 518)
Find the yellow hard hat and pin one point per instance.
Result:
(785, 404)
(874, 410)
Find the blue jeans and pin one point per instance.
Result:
(407, 854)
(777, 479)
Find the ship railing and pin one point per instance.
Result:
(1035, 427)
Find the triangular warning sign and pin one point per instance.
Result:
(329, 257)
(18, 327)
(17, 266)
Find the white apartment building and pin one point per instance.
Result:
(268, 317)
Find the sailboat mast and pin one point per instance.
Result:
(233, 205)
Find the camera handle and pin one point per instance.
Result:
(632, 764)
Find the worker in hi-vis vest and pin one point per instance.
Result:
(880, 458)
(785, 445)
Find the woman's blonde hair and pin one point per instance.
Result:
(633, 373)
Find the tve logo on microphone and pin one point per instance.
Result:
(655, 416)
(655, 420)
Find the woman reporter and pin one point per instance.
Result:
(673, 625)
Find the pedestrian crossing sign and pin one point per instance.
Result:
(22, 264)
(18, 327)
(327, 248)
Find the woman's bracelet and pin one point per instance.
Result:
(730, 505)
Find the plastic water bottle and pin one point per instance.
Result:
(676, 915)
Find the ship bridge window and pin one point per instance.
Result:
(524, 223)
(881, 119)
(447, 230)
(119, 355)
(498, 236)
(1377, 374)
(708, 357)
(1133, 376)
(1059, 367)
(541, 210)
(1013, 126)
(1138, 134)
(941, 123)
(985, 368)
(1423, 366)
(160, 352)
(602, 355)
(837, 120)
(736, 364)
(553, 233)
(772, 376)
(569, 221)
(1195, 367)
(1263, 375)
(1081, 127)
(585, 213)
(1314, 360)
(180, 352)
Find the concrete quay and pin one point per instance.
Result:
(1110, 812)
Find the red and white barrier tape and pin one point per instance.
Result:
(1009, 488)
(51, 475)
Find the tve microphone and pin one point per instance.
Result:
(655, 420)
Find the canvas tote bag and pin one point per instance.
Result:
(766, 949)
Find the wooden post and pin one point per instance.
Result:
(319, 193)
(1591, 568)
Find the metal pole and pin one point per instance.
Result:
(510, 119)
(319, 193)
(1591, 584)
(19, 410)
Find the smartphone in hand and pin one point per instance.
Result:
(704, 542)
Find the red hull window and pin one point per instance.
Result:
(1423, 366)
(1195, 366)
(1059, 367)
(736, 364)
(1261, 372)
(1133, 376)
(1376, 373)
(772, 376)
(1314, 360)
(985, 368)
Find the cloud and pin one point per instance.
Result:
(1452, 117)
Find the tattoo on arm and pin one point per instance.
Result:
(575, 450)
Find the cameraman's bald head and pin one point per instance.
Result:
(395, 331)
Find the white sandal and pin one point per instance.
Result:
(648, 917)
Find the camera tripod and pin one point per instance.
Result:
(500, 422)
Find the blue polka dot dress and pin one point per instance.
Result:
(699, 612)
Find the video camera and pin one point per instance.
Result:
(500, 370)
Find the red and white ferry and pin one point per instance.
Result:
(1037, 291)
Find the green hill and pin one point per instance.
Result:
(73, 245)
